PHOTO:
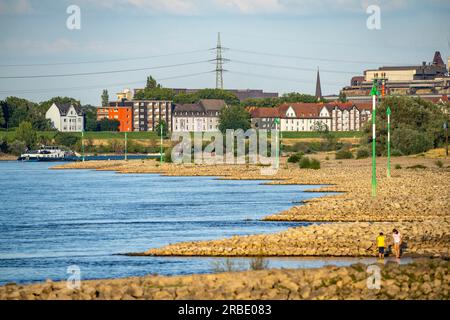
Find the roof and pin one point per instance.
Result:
(188, 107)
(302, 110)
(204, 105)
(212, 104)
(64, 108)
(264, 112)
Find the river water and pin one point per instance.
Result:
(52, 219)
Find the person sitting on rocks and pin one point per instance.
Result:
(397, 242)
(381, 245)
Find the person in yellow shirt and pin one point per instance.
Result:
(381, 245)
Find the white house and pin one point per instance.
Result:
(303, 116)
(196, 117)
(66, 117)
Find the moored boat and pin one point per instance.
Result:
(48, 153)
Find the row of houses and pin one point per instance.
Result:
(145, 115)
(335, 116)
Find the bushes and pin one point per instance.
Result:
(17, 147)
(439, 163)
(67, 139)
(307, 163)
(344, 154)
(295, 158)
(168, 155)
(409, 141)
(362, 153)
(396, 153)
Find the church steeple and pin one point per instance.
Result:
(318, 86)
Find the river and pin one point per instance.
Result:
(52, 219)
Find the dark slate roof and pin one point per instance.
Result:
(64, 108)
(203, 105)
(212, 104)
(188, 107)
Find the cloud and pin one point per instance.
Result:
(15, 7)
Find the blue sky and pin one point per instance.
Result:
(298, 35)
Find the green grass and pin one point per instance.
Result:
(309, 135)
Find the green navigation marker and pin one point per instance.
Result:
(161, 160)
(82, 145)
(277, 151)
(126, 146)
(374, 93)
(388, 112)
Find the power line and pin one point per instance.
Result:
(101, 61)
(98, 87)
(291, 67)
(263, 76)
(312, 58)
(101, 72)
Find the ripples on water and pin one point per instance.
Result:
(50, 219)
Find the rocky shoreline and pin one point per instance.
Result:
(414, 200)
(422, 279)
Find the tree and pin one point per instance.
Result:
(108, 125)
(342, 96)
(151, 83)
(16, 147)
(90, 114)
(105, 98)
(234, 117)
(416, 115)
(27, 134)
(229, 97)
(17, 110)
(67, 139)
(2, 118)
(164, 129)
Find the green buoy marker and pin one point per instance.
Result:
(161, 125)
(388, 112)
(277, 123)
(82, 145)
(126, 146)
(374, 92)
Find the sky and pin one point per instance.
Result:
(274, 45)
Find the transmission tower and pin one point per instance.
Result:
(219, 64)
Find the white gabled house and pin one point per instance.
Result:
(303, 116)
(66, 117)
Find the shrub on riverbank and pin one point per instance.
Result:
(295, 158)
(307, 163)
(362, 153)
(343, 154)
